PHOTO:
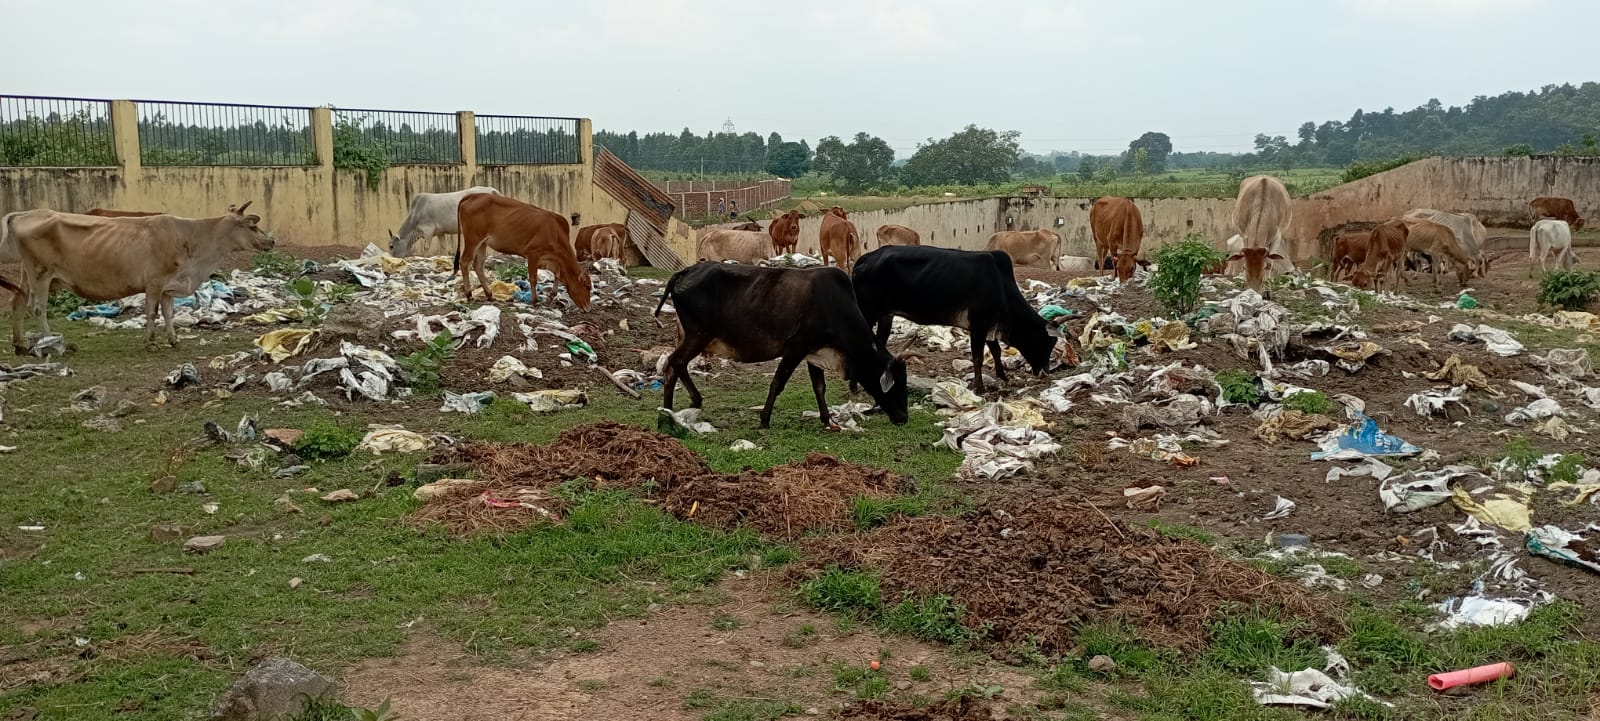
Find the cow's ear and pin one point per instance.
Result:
(1274, 256)
(1235, 257)
(886, 381)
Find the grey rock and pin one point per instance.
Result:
(354, 321)
(204, 544)
(1102, 664)
(903, 685)
(165, 532)
(276, 688)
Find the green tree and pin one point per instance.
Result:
(867, 161)
(970, 156)
(1157, 147)
(1520, 149)
(1141, 161)
(1086, 168)
(787, 160)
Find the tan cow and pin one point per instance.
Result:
(1558, 208)
(1385, 256)
(785, 232)
(103, 259)
(1438, 242)
(516, 228)
(839, 240)
(583, 244)
(606, 243)
(1118, 232)
(743, 246)
(1470, 234)
(1349, 253)
(1028, 248)
(897, 235)
(1261, 215)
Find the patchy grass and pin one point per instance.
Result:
(1180, 530)
(860, 681)
(729, 708)
(1310, 402)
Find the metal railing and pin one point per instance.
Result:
(42, 131)
(418, 138)
(518, 140)
(224, 134)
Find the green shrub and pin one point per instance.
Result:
(840, 590)
(421, 368)
(63, 302)
(1176, 280)
(936, 618)
(1521, 453)
(324, 441)
(1361, 169)
(1239, 386)
(1566, 469)
(1310, 402)
(1569, 289)
(274, 264)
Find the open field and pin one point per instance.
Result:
(682, 579)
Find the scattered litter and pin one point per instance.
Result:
(277, 381)
(1417, 490)
(1569, 363)
(508, 367)
(956, 395)
(286, 343)
(1173, 336)
(1507, 507)
(469, 403)
(1495, 340)
(742, 445)
(1432, 402)
(792, 260)
(394, 439)
(1293, 424)
(1281, 509)
(1568, 547)
(341, 495)
(1470, 676)
(1556, 428)
(545, 401)
(53, 344)
(682, 423)
(1309, 688)
(1458, 373)
(448, 486)
(1539, 409)
(847, 416)
(1363, 439)
(184, 376)
(1353, 356)
(1477, 610)
(316, 558)
(1145, 499)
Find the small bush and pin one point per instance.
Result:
(840, 590)
(274, 264)
(1176, 280)
(1566, 469)
(1310, 402)
(1361, 169)
(1521, 453)
(1569, 289)
(1239, 386)
(510, 272)
(323, 441)
(421, 368)
(63, 302)
(931, 619)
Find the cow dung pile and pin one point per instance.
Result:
(1037, 570)
(518, 480)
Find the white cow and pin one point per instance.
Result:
(1551, 236)
(1076, 264)
(1283, 266)
(1469, 231)
(432, 215)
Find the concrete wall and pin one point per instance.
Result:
(310, 205)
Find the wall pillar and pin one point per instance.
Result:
(322, 137)
(125, 136)
(467, 135)
(586, 162)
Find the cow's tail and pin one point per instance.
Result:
(666, 293)
(9, 253)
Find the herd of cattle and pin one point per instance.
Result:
(835, 319)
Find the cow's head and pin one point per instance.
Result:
(1255, 265)
(245, 231)
(837, 211)
(1577, 224)
(1126, 260)
(580, 288)
(889, 388)
(1036, 341)
(399, 247)
(1361, 278)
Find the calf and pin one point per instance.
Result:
(583, 244)
(1385, 256)
(431, 215)
(753, 314)
(606, 243)
(1028, 248)
(975, 290)
(1118, 231)
(1558, 208)
(897, 235)
(742, 246)
(513, 227)
(1470, 234)
(839, 240)
(1349, 253)
(1550, 236)
(785, 232)
(1437, 242)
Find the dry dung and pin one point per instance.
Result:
(960, 708)
(1037, 569)
(612, 454)
(782, 501)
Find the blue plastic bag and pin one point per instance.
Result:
(1364, 437)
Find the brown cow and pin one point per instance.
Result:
(104, 213)
(1385, 256)
(748, 225)
(1261, 215)
(103, 259)
(516, 228)
(1558, 208)
(606, 243)
(1029, 248)
(583, 245)
(1437, 242)
(785, 232)
(897, 235)
(837, 211)
(1349, 253)
(839, 240)
(1118, 231)
(743, 246)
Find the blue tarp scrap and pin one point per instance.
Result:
(1364, 437)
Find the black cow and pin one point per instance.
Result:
(975, 290)
(753, 314)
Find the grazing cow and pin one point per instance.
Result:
(753, 314)
(748, 225)
(583, 244)
(103, 259)
(1385, 256)
(975, 290)
(897, 235)
(1261, 215)
(431, 215)
(1551, 236)
(839, 240)
(1470, 234)
(508, 225)
(1437, 242)
(104, 213)
(1028, 248)
(1558, 208)
(744, 246)
(606, 243)
(1349, 253)
(1118, 230)
(785, 232)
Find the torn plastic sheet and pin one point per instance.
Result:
(1309, 688)
(371, 385)
(469, 403)
(508, 367)
(685, 421)
(1569, 363)
(1281, 509)
(1178, 413)
(993, 450)
(483, 322)
(1369, 467)
(1353, 356)
(1537, 410)
(1308, 368)
(1479, 610)
(1432, 402)
(1569, 547)
(366, 275)
(1505, 505)
(792, 260)
(285, 343)
(847, 416)
(1496, 341)
(954, 394)
(1293, 424)
(1417, 490)
(394, 439)
(552, 400)
(277, 381)
(1532, 390)
(1364, 438)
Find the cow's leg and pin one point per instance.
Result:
(819, 386)
(977, 362)
(168, 310)
(153, 297)
(678, 369)
(780, 377)
(19, 306)
(999, 368)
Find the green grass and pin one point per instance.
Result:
(728, 708)
(1310, 402)
(1239, 386)
(1183, 531)
(860, 681)
(801, 637)
(920, 673)
(724, 622)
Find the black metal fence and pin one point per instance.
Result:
(224, 134)
(520, 140)
(55, 132)
(409, 137)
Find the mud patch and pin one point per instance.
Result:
(960, 708)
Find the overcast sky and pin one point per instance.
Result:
(1067, 74)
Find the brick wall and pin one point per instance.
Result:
(699, 197)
